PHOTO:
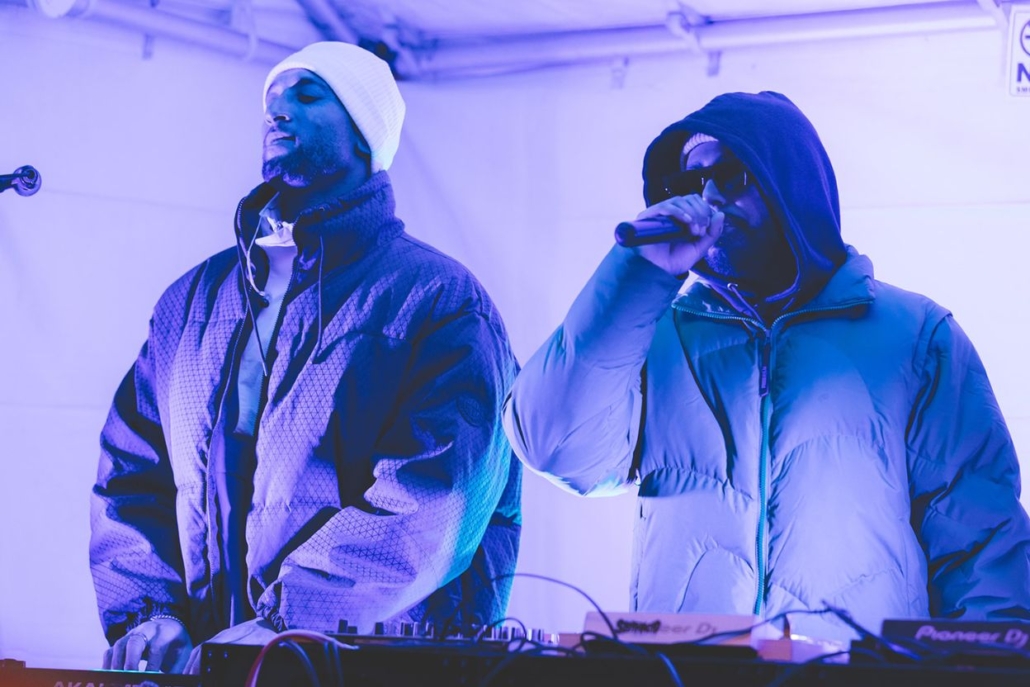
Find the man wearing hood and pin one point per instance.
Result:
(311, 433)
(801, 435)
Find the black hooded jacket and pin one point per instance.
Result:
(782, 150)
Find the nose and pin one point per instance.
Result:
(712, 195)
(276, 111)
(273, 117)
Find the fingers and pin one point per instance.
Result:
(178, 658)
(127, 652)
(115, 656)
(156, 655)
(193, 664)
(690, 211)
(712, 232)
(136, 646)
(169, 650)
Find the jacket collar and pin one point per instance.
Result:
(852, 284)
(346, 228)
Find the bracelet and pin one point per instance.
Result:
(165, 616)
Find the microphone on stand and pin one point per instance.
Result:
(25, 181)
(651, 230)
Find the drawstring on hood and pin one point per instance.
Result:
(742, 302)
(781, 148)
(346, 228)
(321, 273)
(251, 270)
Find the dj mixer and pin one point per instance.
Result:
(938, 653)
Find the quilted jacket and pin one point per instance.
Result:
(384, 488)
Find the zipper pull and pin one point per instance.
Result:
(765, 354)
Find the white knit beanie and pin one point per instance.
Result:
(694, 141)
(364, 85)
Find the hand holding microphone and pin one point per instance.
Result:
(673, 234)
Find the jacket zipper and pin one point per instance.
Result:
(765, 407)
(272, 337)
(211, 497)
(761, 554)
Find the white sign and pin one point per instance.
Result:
(1019, 52)
(672, 628)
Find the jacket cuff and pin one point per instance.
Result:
(277, 621)
(267, 607)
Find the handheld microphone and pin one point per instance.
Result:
(651, 230)
(25, 181)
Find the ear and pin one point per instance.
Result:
(364, 151)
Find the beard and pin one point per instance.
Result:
(300, 167)
(730, 257)
(763, 263)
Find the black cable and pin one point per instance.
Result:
(604, 616)
(635, 649)
(288, 640)
(481, 633)
(916, 651)
(892, 649)
(875, 655)
(448, 622)
(333, 665)
(671, 668)
(504, 663)
(596, 638)
(497, 669)
(305, 661)
(796, 670)
(762, 623)
(539, 649)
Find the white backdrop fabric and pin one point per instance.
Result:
(522, 178)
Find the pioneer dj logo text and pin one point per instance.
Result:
(1013, 637)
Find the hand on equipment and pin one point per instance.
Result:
(156, 645)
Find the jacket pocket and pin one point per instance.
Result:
(721, 582)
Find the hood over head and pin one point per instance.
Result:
(782, 150)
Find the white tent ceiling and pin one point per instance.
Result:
(442, 38)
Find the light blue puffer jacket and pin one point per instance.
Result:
(852, 453)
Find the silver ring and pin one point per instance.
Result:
(146, 640)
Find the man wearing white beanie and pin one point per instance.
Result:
(311, 432)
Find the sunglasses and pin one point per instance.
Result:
(730, 176)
